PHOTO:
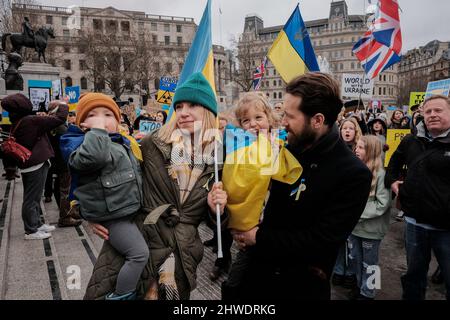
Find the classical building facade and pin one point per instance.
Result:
(332, 38)
(169, 37)
(422, 65)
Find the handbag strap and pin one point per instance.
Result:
(12, 131)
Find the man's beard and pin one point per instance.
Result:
(303, 139)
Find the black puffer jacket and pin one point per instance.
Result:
(425, 193)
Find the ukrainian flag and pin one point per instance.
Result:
(200, 56)
(292, 53)
(251, 163)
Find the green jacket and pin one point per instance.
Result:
(374, 222)
(167, 226)
(109, 178)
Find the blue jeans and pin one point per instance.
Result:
(365, 253)
(343, 266)
(419, 242)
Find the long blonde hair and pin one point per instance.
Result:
(358, 132)
(373, 148)
(207, 134)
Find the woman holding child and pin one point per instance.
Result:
(178, 193)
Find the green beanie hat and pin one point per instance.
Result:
(197, 90)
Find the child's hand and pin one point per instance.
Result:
(93, 122)
(100, 230)
(217, 196)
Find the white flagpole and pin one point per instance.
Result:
(216, 174)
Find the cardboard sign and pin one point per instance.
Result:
(393, 139)
(415, 98)
(355, 86)
(438, 87)
(148, 126)
(73, 93)
(40, 98)
(166, 90)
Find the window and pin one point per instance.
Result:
(156, 67)
(154, 38)
(179, 28)
(82, 49)
(179, 41)
(68, 81)
(66, 34)
(384, 91)
(82, 22)
(279, 83)
(167, 27)
(66, 49)
(341, 66)
(379, 91)
(167, 40)
(83, 82)
(280, 95)
(268, 95)
(169, 67)
(154, 26)
(67, 64)
(98, 25)
(274, 83)
(384, 77)
(267, 84)
(83, 65)
(262, 84)
(49, 19)
(64, 21)
(125, 26)
(274, 95)
(353, 65)
(274, 72)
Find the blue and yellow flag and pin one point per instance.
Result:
(292, 53)
(251, 163)
(200, 56)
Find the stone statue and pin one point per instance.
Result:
(13, 79)
(29, 39)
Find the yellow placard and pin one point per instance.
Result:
(393, 139)
(415, 98)
(72, 106)
(165, 97)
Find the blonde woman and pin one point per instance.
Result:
(178, 177)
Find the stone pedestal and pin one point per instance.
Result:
(38, 71)
(2, 87)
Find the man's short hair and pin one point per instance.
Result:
(435, 97)
(320, 93)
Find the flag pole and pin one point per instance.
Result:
(216, 176)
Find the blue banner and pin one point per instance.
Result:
(73, 93)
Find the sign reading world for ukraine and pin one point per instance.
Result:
(355, 86)
(438, 87)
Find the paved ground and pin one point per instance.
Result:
(60, 267)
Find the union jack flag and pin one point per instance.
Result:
(386, 27)
(375, 57)
(259, 74)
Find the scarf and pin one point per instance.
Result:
(187, 163)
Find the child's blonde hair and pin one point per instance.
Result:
(358, 132)
(256, 100)
(373, 148)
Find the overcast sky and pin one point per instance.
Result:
(421, 21)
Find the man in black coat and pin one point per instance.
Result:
(291, 254)
(425, 196)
